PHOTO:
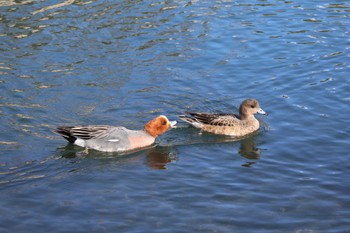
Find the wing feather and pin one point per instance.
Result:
(90, 132)
(71, 133)
(218, 119)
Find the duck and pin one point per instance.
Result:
(228, 124)
(108, 138)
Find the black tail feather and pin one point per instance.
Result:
(65, 132)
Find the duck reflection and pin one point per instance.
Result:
(248, 149)
(247, 146)
(69, 151)
(158, 158)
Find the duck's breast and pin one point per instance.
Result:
(139, 139)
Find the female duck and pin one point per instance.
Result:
(228, 124)
(115, 139)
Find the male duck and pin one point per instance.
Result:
(115, 139)
(228, 124)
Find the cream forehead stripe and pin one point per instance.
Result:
(162, 116)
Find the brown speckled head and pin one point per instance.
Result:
(249, 107)
(158, 126)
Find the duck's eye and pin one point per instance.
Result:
(163, 122)
(252, 106)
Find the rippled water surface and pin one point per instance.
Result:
(125, 62)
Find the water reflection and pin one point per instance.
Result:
(159, 157)
(156, 158)
(248, 149)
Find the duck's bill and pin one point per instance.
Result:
(260, 111)
(173, 123)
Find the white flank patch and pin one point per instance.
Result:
(80, 142)
(113, 140)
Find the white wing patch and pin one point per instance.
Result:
(113, 140)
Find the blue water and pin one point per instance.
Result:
(125, 62)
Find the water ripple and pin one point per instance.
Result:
(124, 62)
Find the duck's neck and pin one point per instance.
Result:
(245, 117)
(150, 132)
